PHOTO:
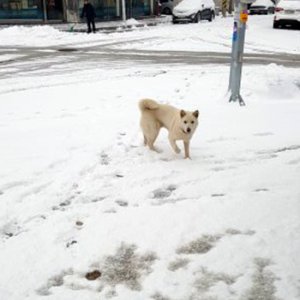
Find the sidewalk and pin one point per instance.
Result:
(110, 26)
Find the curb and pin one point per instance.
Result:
(106, 27)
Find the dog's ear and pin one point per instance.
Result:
(182, 113)
(196, 113)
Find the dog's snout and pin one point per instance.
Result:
(188, 129)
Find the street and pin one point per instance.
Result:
(104, 56)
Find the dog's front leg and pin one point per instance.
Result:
(186, 149)
(174, 145)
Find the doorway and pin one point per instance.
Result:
(54, 9)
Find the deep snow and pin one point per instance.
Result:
(79, 192)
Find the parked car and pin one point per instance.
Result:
(166, 7)
(194, 11)
(287, 13)
(262, 7)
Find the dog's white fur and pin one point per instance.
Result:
(181, 124)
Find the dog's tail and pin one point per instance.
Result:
(148, 104)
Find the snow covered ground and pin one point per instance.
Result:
(79, 192)
(215, 36)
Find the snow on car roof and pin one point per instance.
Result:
(291, 4)
(186, 4)
(263, 3)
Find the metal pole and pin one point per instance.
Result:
(45, 11)
(238, 40)
(123, 11)
(234, 44)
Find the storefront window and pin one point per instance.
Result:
(137, 8)
(21, 9)
(147, 9)
(106, 9)
(66, 10)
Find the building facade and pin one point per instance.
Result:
(45, 11)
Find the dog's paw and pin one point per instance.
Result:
(177, 150)
(155, 149)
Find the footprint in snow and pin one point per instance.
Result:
(218, 195)
(263, 133)
(163, 192)
(120, 138)
(121, 202)
(261, 190)
(104, 159)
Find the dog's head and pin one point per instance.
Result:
(189, 121)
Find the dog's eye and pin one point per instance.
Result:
(192, 122)
(185, 122)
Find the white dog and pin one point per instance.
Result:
(181, 124)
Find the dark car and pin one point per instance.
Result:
(262, 7)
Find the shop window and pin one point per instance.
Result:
(21, 9)
(106, 9)
(137, 8)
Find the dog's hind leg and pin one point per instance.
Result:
(150, 128)
(151, 139)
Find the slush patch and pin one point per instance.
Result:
(159, 296)
(199, 246)
(127, 267)
(262, 282)
(177, 264)
(208, 279)
(54, 281)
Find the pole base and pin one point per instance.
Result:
(234, 98)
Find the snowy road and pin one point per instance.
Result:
(32, 59)
(161, 45)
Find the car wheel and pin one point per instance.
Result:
(275, 25)
(167, 11)
(212, 16)
(197, 18)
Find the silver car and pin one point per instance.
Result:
(194, 11)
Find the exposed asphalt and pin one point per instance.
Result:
(39, 58)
